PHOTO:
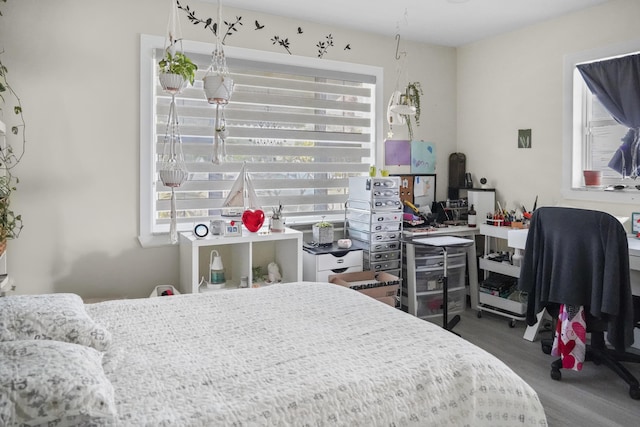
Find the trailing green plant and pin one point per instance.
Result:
(412, 97)
(10, 222)
(178, 63)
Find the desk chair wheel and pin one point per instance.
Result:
(479, 314)
(556, 365)
(512, 323)
(634, 392)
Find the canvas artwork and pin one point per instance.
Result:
(423, 157)
(397, 152)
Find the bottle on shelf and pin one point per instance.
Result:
(472, 218)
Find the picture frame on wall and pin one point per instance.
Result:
(635, 223)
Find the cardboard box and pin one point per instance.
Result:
(379, 285)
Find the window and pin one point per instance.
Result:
(591, 135)
(301, 125)
(601, 135)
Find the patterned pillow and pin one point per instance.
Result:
(59, 317)
(53, 383)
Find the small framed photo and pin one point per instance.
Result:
(233, 228)
(635, 223)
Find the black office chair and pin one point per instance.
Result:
(580, 257)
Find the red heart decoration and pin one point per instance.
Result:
(253, 219)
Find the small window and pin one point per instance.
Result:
(591, 135)
(302, 126)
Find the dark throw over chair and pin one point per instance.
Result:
(580, 257)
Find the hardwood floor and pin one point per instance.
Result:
(595, 396)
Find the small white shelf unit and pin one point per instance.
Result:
(514, 310)
(239, 255)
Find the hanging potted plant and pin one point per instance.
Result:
(175, 71)
(411, 101)
(218, 86)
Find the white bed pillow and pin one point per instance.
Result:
(53, 383)
(59, 317)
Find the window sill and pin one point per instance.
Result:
(155, 240)
(160, 239)
(599, 194)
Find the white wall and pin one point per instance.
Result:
(514, 81)
(75, 66)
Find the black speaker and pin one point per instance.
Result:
(457, 169)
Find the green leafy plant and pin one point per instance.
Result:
(412, 97)
(10, 222)
(323, 224)
(178, 63)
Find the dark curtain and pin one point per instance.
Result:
(616, 83)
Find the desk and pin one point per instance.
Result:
(472, 260)
(517, 239)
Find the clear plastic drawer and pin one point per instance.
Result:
(431, 279)
(374, 226)
(431, 305)
(383, 236)
(381, 266)
(374, 217)
(382, 256)
(438, 260)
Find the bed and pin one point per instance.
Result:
(300, 354)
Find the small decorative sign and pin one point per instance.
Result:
(524, 138)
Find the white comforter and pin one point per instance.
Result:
(300, 354)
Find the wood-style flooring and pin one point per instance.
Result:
(595, 396)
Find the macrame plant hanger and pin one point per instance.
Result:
(398, 108)
(173, 171)
(218, 87)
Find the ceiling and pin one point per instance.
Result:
(442, 22)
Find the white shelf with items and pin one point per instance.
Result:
(239, 255)
(503, 306)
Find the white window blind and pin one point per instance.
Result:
(602, 138)
(301, 125)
